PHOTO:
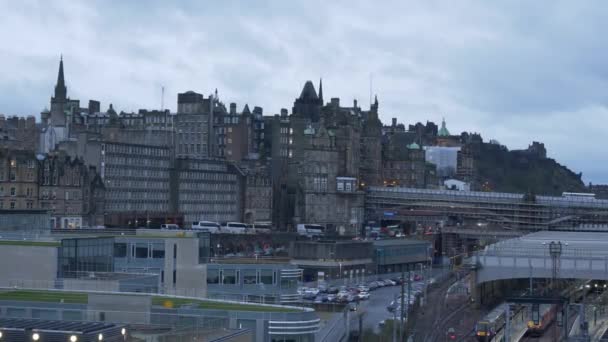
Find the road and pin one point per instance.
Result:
(374, 310)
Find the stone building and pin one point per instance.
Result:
(19, 133)
(72, 192)
(258, 195)
(194, 125)
(371, 149)
(18, 180)
(403, 164)
(206, 189)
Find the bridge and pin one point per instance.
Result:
(583, 255)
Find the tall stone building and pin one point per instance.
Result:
(18, 180)
(371, 149)
(324, 152)
(194, 125)
(72, 192)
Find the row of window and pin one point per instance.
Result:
(202, 196)
(127, 161)
(140, 250)
(138, 150)
(286, 130)
(140, 184)
(207, 187)
(121, 206)
(137, 195)
(233, 277)
(192, 148)
(144, 172)
(213, 207)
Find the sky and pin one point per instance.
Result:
(515, 71)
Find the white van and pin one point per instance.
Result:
(207, 226)
(262, 227)
(235, 228)
(169, 226)
(310, 230)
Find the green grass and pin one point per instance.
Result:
(45, 296)
(82, 298)
(30, 243)
(210, 305)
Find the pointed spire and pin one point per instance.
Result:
(376, 100)
(246, 109)
(60, 88)
(321, 90)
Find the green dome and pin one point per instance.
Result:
(413, 146)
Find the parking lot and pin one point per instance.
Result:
(371, 299)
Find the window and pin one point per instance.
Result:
(158, 251)
(13, 191)
(12, 205)
(250, 277)
(229, 277)
(213, 276)
(141, 250)
(266, 277)
(120, 250)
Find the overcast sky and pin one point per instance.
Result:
(516, 71)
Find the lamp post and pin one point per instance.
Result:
(555, 251)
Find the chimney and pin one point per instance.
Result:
(394, 122)
(283, 112)
(335, 102)
(355, 103)
(232, 108)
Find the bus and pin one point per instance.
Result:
(311, 230)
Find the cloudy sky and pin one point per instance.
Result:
(516, 71)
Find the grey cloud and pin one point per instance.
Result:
(516, 71)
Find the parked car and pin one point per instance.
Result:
(352, 306)
(389, 282)
(363, 295)
(333, 290)
(169, 226)
(363, 288)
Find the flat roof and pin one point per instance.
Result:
(30, 243)
(51, 296)
(61, 326)
(574, 244)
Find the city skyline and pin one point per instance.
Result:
(444, 72)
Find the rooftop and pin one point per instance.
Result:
(64, 326)
(30, 243)
(83, 298)
(573, 245)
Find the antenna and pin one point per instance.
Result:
(162, 98)
(370, 90)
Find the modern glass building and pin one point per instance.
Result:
(265, 281)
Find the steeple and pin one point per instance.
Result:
(321, 90)
(60, 88)
(443, 131)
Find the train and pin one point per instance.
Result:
(494, 321)
(541, 319)
(487, 328)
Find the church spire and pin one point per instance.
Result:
(321, 90)
(60, 88)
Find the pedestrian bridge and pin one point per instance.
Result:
(583, 255)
